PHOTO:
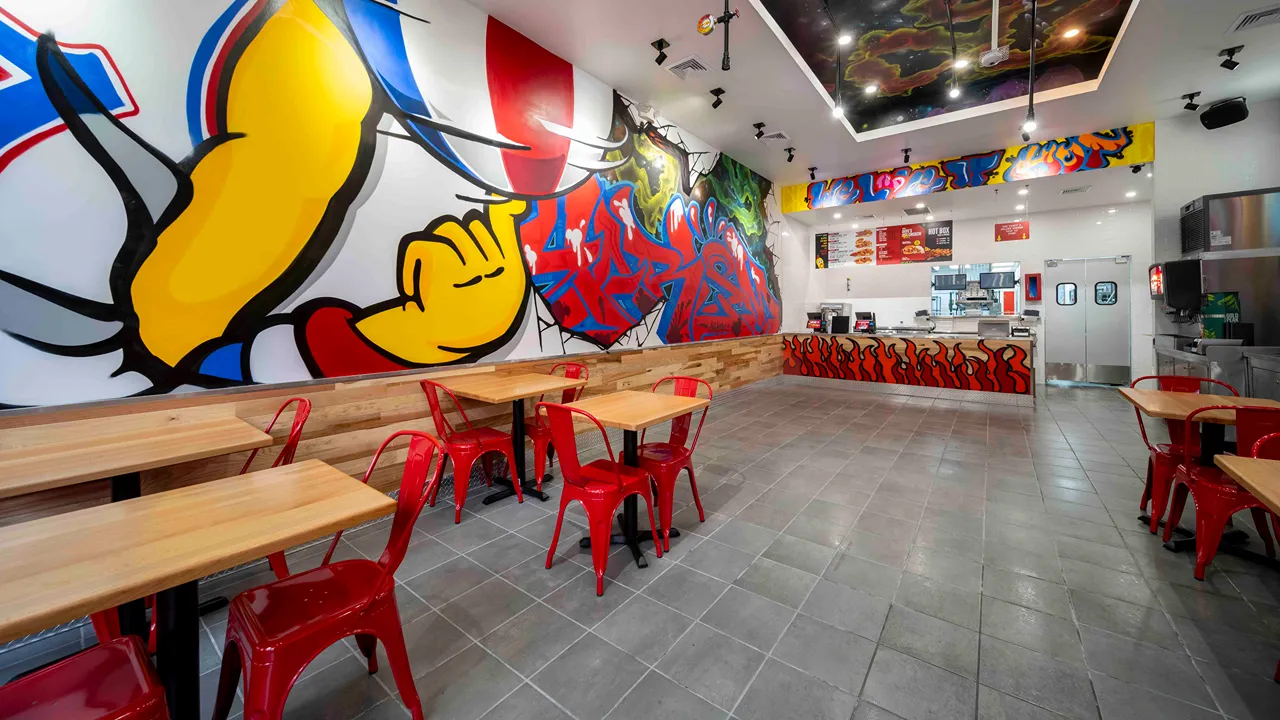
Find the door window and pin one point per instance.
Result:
(1105, 293)
(1066, 293)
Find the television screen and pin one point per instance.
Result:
(996, 281)
(950, 282)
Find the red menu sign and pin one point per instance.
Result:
(1020, 230)
(919, 243)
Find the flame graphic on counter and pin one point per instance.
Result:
(932, 363)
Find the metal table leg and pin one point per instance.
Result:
(133, 614)
(178, 649)
(517, 472)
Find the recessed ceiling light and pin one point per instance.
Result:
(855, 226)
(928, 217)
(836, 216)
(1099, 222)
(845, 39)
(1131, 194)
(1023, 191)
(1111, 211)
(871, 89)
(962, 63)
(1150, 174)
(919, 206)
(1019, 207)
(1071, 33)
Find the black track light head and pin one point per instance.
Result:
(812, 171)
(1136, 168)
(1026, 136)
(906, 156)
(1191, 101)
(1230, 55)
(717, 93)
(661, 46)
(759, 130)
(791, 154)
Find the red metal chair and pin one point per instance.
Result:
(539, 433)
(1165, 456)
(464, 446)
(106, 625)
(600, 486)
(1216, 496)
(274, 630)
(665, 460)
(111, 681)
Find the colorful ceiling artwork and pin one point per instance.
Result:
(904, 48)
(1119, 147)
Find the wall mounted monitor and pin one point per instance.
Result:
(950, 282)
(997, 281)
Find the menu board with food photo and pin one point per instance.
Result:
(919, 243)
(836, 249)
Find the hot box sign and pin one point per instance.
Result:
(918, 243)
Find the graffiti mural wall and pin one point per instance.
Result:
(1092, 151)
(206, 194)
(991, 365)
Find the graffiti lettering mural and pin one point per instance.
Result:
(986, 365)
(1092, 151)
(359, 187)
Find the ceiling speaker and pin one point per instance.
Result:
(1224, 113)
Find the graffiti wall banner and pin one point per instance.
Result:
(1020, 230)
(918, 243)
(990, 365)
(837, 249)
(217, 193)
(1093, 151)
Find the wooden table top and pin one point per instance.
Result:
(68, 462)
(1260, 477)
(493, 388)
(633, 410)
(60, 568)
(1177, 406)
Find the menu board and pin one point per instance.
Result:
(835, 249)
(919, 243)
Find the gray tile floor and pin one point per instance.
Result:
(864, 556)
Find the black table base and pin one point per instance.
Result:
(178, 648)
(517, 472)
(629, 520)
(133, 614)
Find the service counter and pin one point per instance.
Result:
(936, 360)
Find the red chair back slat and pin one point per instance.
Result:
(684, 386)
(1267, 447)
(443, 427)
(573, 371)
(1178, 434)
(1252, 425)
(300, 416)
(563, 436)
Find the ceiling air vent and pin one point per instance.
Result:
(918, 210)
(1256, 18)
(864, 218)
(1077, 190)
(775, 138)
(692, 65)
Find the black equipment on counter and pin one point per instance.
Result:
(815, 321)
(864, 322)
(840, 324)
(1238, 331)
(1183, 285)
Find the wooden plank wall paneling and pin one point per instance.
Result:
(349, 419)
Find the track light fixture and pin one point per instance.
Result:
(954, 92)
(844, 39)
(1230, 55)
(717, 93)
(1030, 125)
(906, 156)
(812, 173)
(791, 153)
(1136, 168)
(661, 46)
(837, 111)
(1191, 101)
(759, 130)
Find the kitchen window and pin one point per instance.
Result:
(1105, 293)
(1066, 293)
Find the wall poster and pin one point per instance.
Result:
(1020, 230)
(840, 248)
(918, 243)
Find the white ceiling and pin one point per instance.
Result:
(1107, 189)
(1169, 48)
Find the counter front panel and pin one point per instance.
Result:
(987, 364)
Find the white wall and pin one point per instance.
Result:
(1058, 234)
